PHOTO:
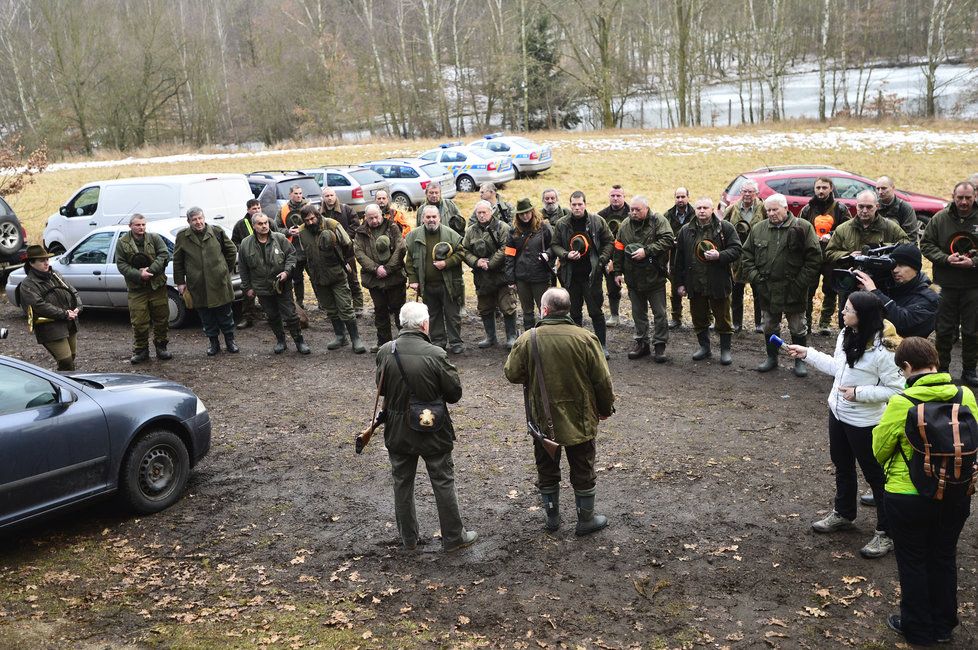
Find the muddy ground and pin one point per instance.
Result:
(710, 477)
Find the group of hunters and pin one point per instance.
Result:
(550, 263)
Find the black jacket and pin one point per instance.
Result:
(524, 256)
(911, 307)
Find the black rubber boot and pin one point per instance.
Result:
(801, 368)
(214, 347)
(509, 322)
(279, 343)
(358, 346)
(161, 352)
(66, 364)
(704, 352)
(229, 343)
(772, 358)
(139, 356)
(489, 323)
(726, 358)
(339, 340)
(551, 506)
(300, 344)
(587, 521)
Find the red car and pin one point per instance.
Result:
(797, 183)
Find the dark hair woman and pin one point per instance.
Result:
(865, 377)
(528, 259)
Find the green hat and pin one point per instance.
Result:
(579, 243)
(633, 248)
(480, 248)
(327, 239)
(37, 252)
(383, 247)
(523, 205)
(442, 251)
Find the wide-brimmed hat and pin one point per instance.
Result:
(442, 251)
(962, 243)
(524, 205)
(633, 248)
(480, 248)
(383, 247)
(37, 252)
(327, 239)
(579, 243)
(704, 246)
(140, 261)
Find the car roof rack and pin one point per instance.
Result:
(782, 168)
(334, 166)
(268, 173)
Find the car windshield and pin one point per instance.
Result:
(367, 176)
(434, 169)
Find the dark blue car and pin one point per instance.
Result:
(68, 439)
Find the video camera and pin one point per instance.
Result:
(874, 262)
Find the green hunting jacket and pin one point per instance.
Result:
(260, 266)
(365, 249)
(600, 252)
(782, 262)
(205, 265)
(575, 372)
(743, 228)
(450, 215)
(852, 236)
(936, 242)
(706, 278)
(655, 235)
(431, 377)
(49, 296)
(416, 261)
(325, 261)
(153, 246)
(488, 241)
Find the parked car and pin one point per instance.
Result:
(409, 178)
(472, 167)
(105, 203)
(355, 185)
(13, 241)
(797, 183)
(529, 158)
(272, 189)
(72, 438)
(89, 266)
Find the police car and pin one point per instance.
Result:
(472, 167)
(528, 157)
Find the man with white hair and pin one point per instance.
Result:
(410, 370)
(782, 258)
(484, 247)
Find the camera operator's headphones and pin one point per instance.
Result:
(963, 243)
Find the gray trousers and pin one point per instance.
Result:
(441, 472)
(641, 302)
(445, 320)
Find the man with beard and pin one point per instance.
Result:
(379, 249)
(678, 216)
(391, 213)
(290, 222)
(893, 207)
(328, 247)
(448, 212)
(641, 251)
(347, 217)
(950, 242)
(614, 213)
(744, 215)
(825, 214)
(552, 212)
(484, 249)
(142, 258)
(582, 244)
(434, 271)
(250, 310)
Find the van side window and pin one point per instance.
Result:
(85, 203)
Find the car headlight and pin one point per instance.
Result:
(200, 407)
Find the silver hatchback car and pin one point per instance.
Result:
(410, 177)
(355, 186)
(89, 266)
(472, 167)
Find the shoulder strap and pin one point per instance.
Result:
(397, 359)
(538, 364)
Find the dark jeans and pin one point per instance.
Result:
(957, 307)
(441, 473)
(387, 305)
(581, 294)
(279, 308)
(216, 319)
(579, 457)
(847, 445)
(925, 536)
(444, 319)
(614, 292)
(530, 294)
(675, 303)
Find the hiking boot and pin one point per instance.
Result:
(738, 328)
(456, 348)
(607, 355)
(675, 324)
(833, 522)
(587, 521)
(139, 356)
(867, 499)
(229, 343)
(489, 323)
(375, 348)
(245, 324)
(704, 352)
(612, 321)
(279, 344)
(880, 545)
(758, 329)
(801, 368)
(640, 350)
(824, 330)
(771, 362)
(659, 354)
(161, 352)
(726, 358)
(300, 344)
(970, 377)
(551, 506)
(339, 335)
(214, 347)
(355, 342)
(509, 322)
(468, 538)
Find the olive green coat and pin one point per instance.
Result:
(154, 246)
(743, 228)
(936, 242)
(205, 265)
(451, 216)
(431, 377)
(326, 262)
(575, 372)
(260, 268)
(852, 236)
(415, 263)
(487, 241)
(655, 235)
(49, 296)
(366, 253)
(782, 262)
(706, 277)
(600, 235)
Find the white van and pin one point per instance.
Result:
(106, 203)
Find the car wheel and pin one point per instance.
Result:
(922, 221)
(154, 471)
(178, 308)
(11, 236)
(401, 201)
(56, 248)
(465, 183)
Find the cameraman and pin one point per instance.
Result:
(911, 305)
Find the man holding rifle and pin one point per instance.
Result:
(561, 359)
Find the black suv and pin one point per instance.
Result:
(13, 242)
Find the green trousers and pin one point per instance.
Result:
(149, 307)
(441, 473)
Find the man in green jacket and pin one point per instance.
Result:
(203, 261)
(575, 394)
(744, 214)
(950, 242)
(826, 215)
(266, 261)
(142, 258)
(641, 253)
(379, 248)
(782, 258)
(434, 271)
(448, 212)
(420, 371)
(484, 249)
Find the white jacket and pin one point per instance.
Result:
(875, 376)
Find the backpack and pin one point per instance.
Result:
(944, 438)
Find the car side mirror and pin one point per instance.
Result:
(65, 396)
(63, 211)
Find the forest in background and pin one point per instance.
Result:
(85, 75)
